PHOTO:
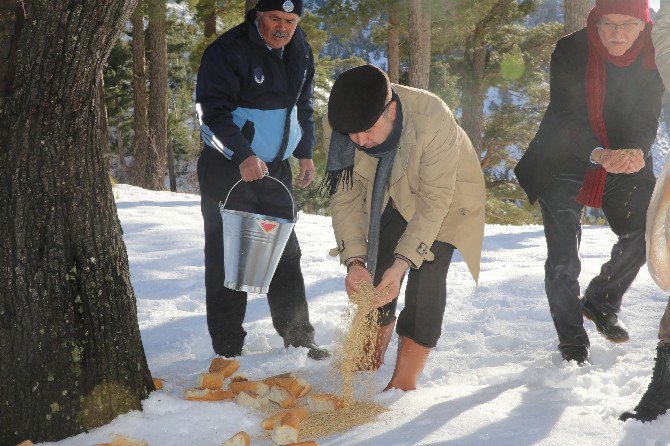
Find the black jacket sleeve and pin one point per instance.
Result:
(305, 148)
(216, 93)
(568, 98)
(643, 119)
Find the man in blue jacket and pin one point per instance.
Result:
(254, 102)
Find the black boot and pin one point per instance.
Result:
(656, 400)
(606, 323)
(314, 351)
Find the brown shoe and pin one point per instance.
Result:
(409, 365)
(373, 359)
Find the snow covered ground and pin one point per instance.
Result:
(496, 376)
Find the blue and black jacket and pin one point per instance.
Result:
(252, 100)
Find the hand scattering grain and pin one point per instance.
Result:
(358, 347)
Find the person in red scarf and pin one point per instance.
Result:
(593, 149)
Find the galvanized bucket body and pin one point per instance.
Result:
(253, 245)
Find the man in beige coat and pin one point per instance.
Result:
(406, 190)
(656, 400)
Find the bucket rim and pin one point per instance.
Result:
(256, 216)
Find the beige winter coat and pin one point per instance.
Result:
(436, 183)
(661, 35)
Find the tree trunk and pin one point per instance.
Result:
(210, 25)
(72, 357)
(575, 13)
(393, 36)
(250, 4)
(173, 179)
(158, 107)
(419, 45)
(472, 101)
(141, 147)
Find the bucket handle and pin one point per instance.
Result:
(268, 176)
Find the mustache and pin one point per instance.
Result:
(279, 34)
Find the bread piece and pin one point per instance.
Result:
(298, 387)
(237, 377)
(158, 383)
(208, 395)
(324, 402)
(287, 431)
(282, 397)
(304, 443)
(239, 439)
(225, 366)
(211, 380)
(269, 423)
(120, 440)
(256, 387)
(252, 400)
(26, 443)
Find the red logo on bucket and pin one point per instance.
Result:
(268, 226)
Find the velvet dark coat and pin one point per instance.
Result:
(565, 140)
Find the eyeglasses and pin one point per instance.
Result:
(612, 27)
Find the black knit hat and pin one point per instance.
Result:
(294, 6)
(357, 99)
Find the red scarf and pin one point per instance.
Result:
(591, 193)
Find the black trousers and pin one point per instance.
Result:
(625, 202)
(426, 291)
(286, 295)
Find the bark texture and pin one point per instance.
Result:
(141, 173)
(419, 44)
(72, 357)
(575, 13)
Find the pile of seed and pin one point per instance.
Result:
(324, 424)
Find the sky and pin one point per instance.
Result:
(494, 378)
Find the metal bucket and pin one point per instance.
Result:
(253, 245)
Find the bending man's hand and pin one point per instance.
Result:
(356, 273)
(389, 288)
(253, 168)
(306, 174)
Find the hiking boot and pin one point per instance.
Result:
(656, 400)
(577, 353)
(608, 324)
(315, 352)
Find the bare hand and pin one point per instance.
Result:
(620, 161)
(252, 169)
(306, 174)
(389, 287)
(357, 273)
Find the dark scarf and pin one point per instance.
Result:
(340, 166)
(591, 193)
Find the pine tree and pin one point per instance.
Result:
(72, 357)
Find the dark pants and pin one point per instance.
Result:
(625, 202)
(426, 291)
(286, 295)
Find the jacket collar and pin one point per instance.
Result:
(366, 165)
